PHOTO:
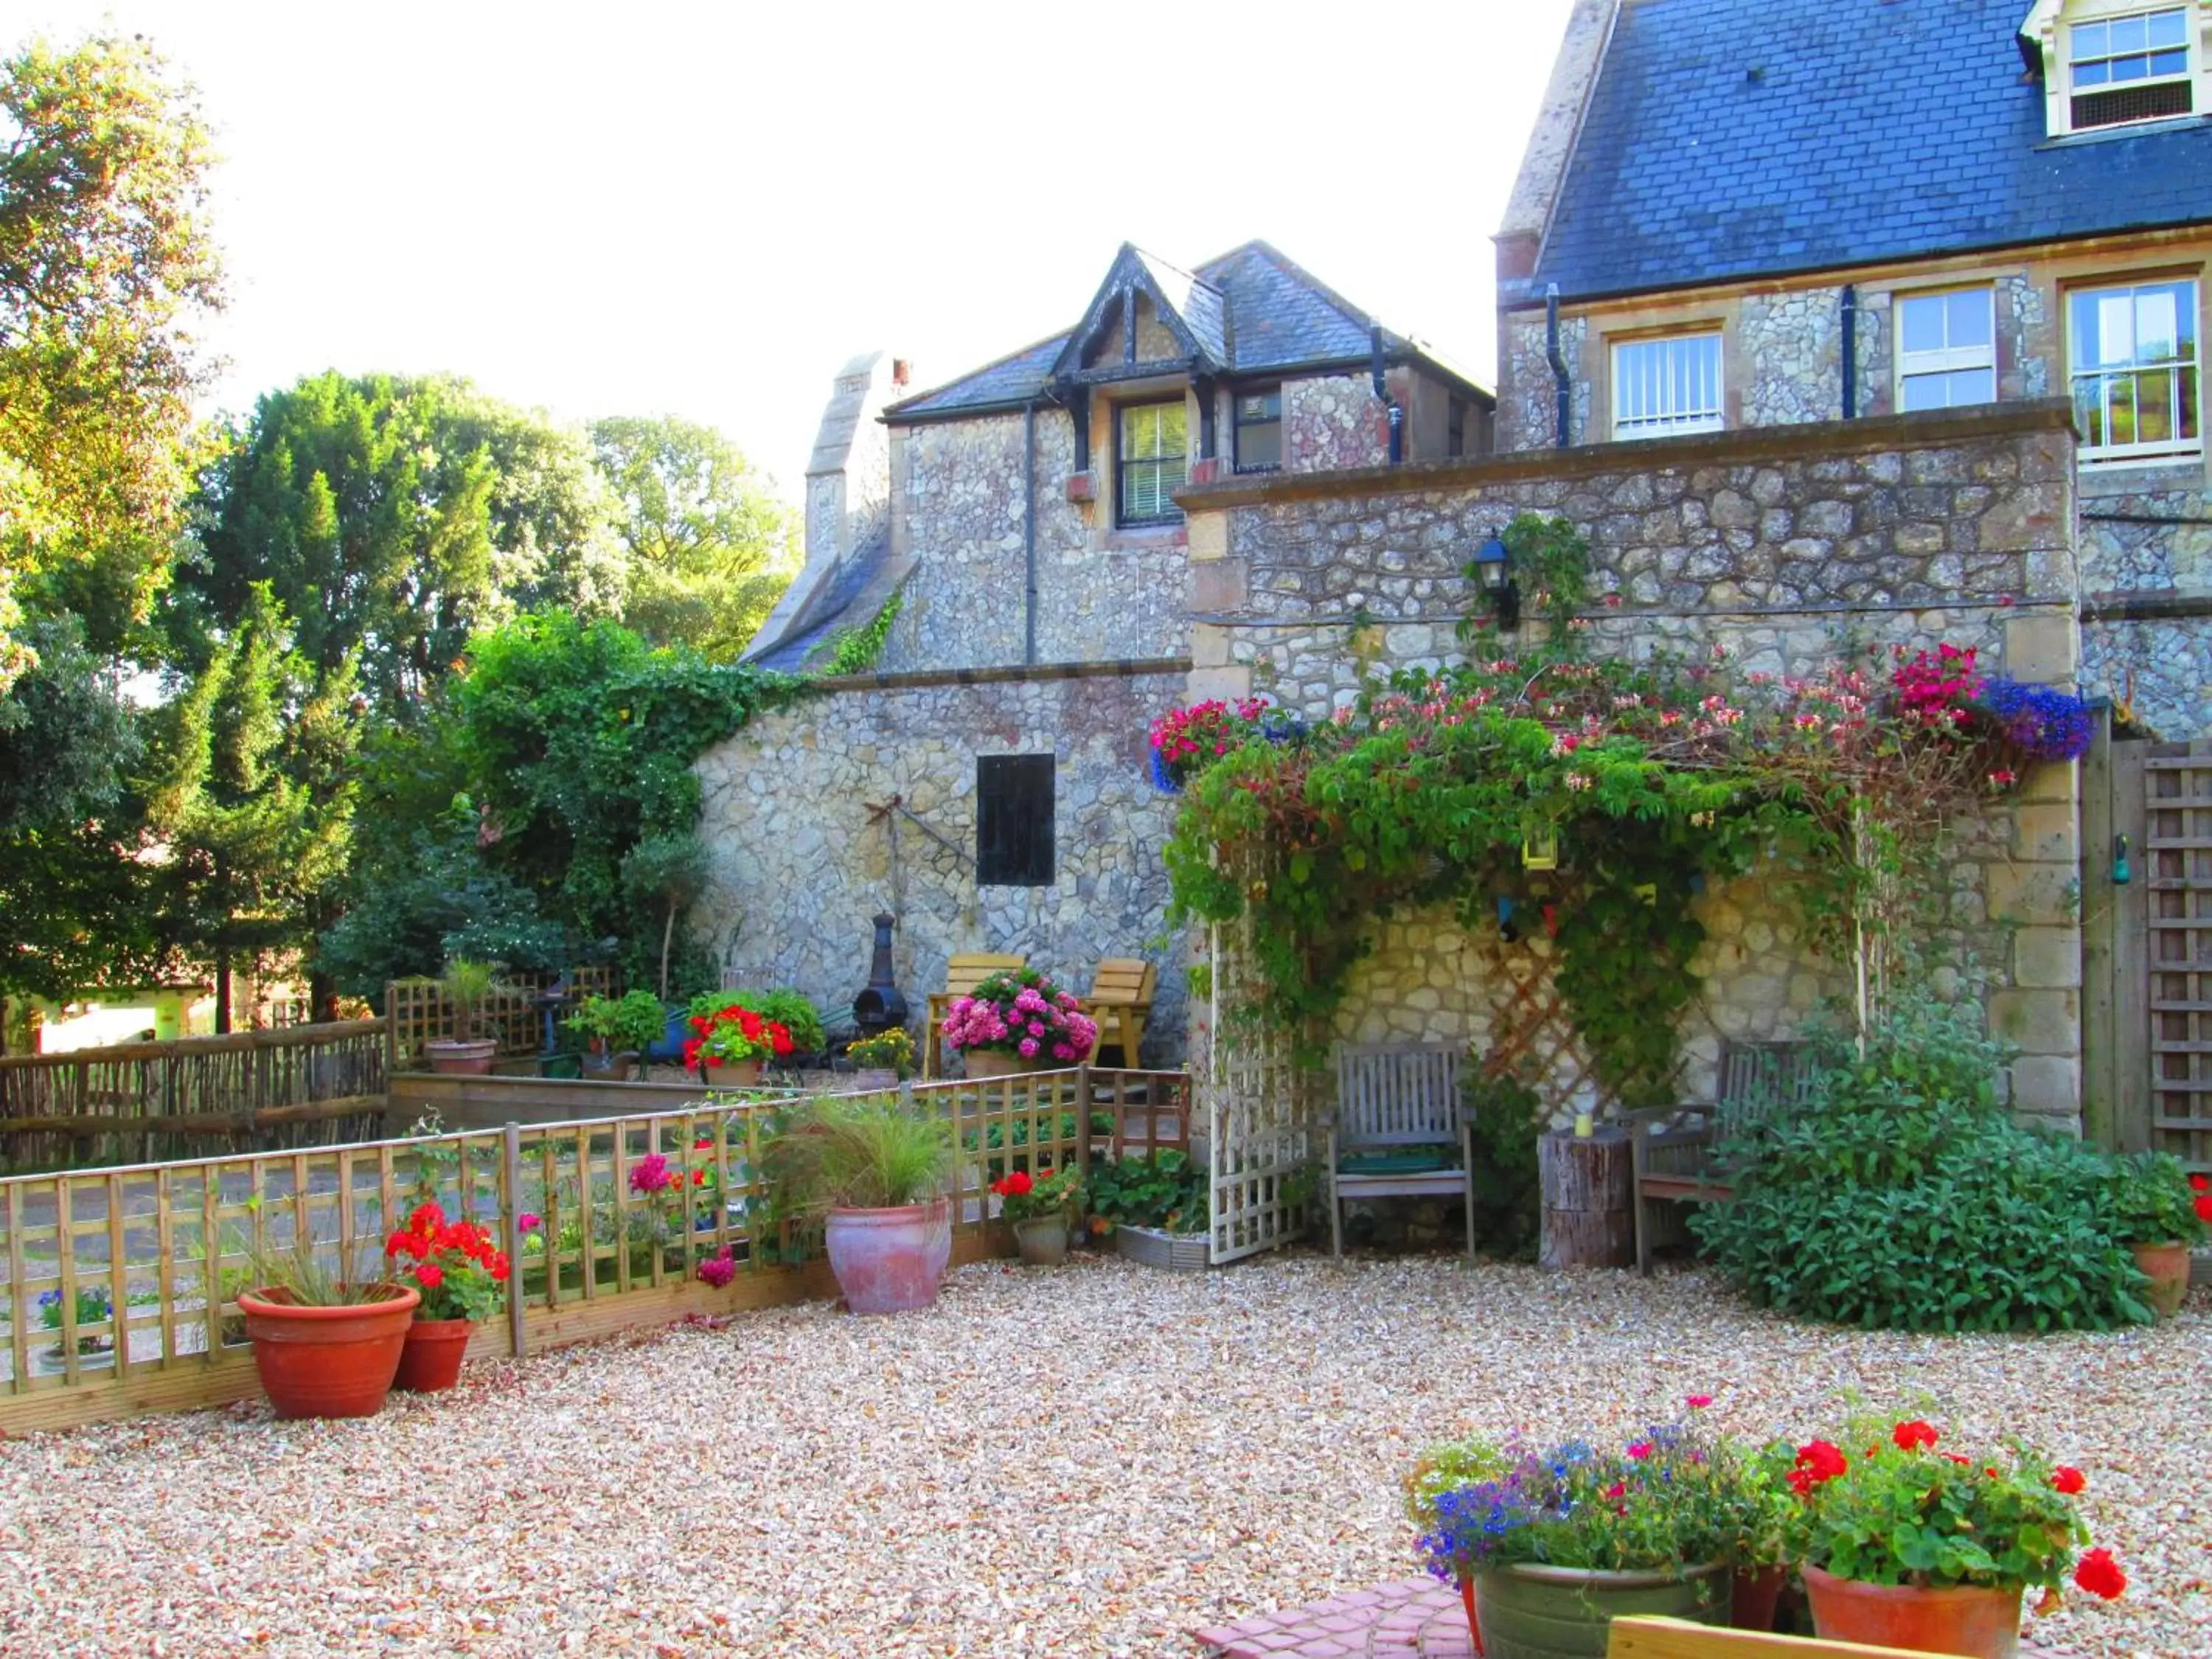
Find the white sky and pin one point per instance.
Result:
(647, 206)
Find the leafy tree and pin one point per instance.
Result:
(67, 740)
(711, 548)
(394, 519)
(105, 259)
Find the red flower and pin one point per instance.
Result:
(1698, 1401)
(429, 1275)
(1817, 1460)
(1640, 1450)
(428, 1218)
(2100, 1575)
(704, 1143)
(2067, 1480)
(2204, 1206)
(1955, 1458)
(397, 1243)
(1617, 1489)
(2200, 1183)
(498, 1269)
(1915, 1433)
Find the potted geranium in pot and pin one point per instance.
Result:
(880, 1171)
(619, 1029)
(732, 1045)
(466, 984)
(2158, 1212)
(324, 1346)
(1905, 1542)
(1549, 1545)
(461, 1277)
(881, 1063)
(1040, 1207)
(1017, 1021)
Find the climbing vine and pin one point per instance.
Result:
(858, 650)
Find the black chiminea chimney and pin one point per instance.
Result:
(880, 1006)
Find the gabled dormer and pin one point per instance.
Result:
(1148, 318)
(2108, 64)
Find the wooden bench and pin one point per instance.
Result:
(963, 973)
(1120, 1001)
(1648, 1636)
(1675, 1162)
(1399, 1117)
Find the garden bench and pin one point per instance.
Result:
(1399, 1118)
(963, 973)
(1120, 1001)
(1647, 1636)
(1674, 1162)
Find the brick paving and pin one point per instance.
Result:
(1400, 1620)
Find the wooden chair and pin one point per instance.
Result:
(1647, 1636)
(963, 973)
(1678, 1162)
(1120, 1000)
(1399, 1117)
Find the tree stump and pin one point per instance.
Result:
(1587, 1188)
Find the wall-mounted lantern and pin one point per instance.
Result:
(1494, 573)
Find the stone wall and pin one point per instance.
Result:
(1772, 545)
(801, 863)
(1527, 396)
(1332, 423)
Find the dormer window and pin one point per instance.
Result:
(2120, 62)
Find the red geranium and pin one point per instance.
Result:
(458, 1267)
(1817, 1460)
(2100, 1575)
(2067, 1480)
(1915, 1433)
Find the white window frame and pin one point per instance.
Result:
(1712, 417)
(1947, 360)
(2049, 26)
(2170, 452)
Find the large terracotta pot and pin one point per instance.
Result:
(1530, 1612)
(2167, 1266)
(991, 1062)
(432, 1358)
(890, 1260)
(1042, 1240)
(740, 1074)
(1967, 1619)
(1753, 1597)
(327, 1362)
(461, 1057)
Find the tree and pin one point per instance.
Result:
(104, 262)
(711, 548)
(394, 519)
(68, 741)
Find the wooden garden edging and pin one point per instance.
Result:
(174, 1242)
(150, 1101)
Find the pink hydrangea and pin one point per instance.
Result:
(1028, 1047)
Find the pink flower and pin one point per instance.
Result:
(719, 1270)
(529, 1222)
(1697, 1402)
(1028, 1047)
(1640, 1450)
(1037, 1028)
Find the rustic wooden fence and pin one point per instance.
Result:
(145, 1102)
(418, 1010)
(121, 1285)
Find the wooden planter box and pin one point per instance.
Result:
(1155, 1247)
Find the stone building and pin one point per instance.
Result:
(1738, 214)
(989, 783)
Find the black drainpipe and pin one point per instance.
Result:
(1396, 416)
(1557, 360)
(1029, 533)
(1850, 350)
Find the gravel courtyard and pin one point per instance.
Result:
(1087, 1461)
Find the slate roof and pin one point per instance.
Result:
(1745, 137)
(1252, 309)
(826, 616)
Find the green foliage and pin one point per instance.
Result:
(1508, 1120)
(1551, 565)
(860, 1153)
(2148, 1201)
(786, 1007)
(628, 1023)
(68, 741)
(1903, 1196)
(1158, 1189)
(859, 649)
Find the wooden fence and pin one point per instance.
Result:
(145, 1102)
(417, 1010)
(121, 1285)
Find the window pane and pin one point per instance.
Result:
(1973, 385)
(1922, 391)
(2168, 29)
(1172, 417)
(2154, 407)
(2130, 69)
(2090, 40)
(1668, 384)
(2128, 34)
(1923, 323)
(1967, 313)
(2174, 62)
(1260, 445)
(2116, 328)
(1139, 432)
(2155, 331)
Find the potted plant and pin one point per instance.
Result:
(1040, 1207)
(1549, 1546)
(324, 1346)
(786, 1007)
(880, 1171)
(2158, 1213)
(730, 1045)
(94, 1353)
(1913, 1545)
(1154, 1207)
(461, 1280)
(618, 1029)
(881, 1063)
(1015, 1022)
(466, 983)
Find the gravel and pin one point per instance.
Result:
(1089, 1461)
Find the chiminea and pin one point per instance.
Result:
(880, 1006)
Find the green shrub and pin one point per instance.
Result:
(2148, 1201)
(1903, 1196)
(1509, 1120)
(1165, 1189)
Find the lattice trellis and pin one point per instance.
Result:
(2178, 783)
(1531, 1036)
(1262, 1116)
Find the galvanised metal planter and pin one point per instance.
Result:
(1531, 1612)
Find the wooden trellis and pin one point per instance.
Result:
(417, 1010)
(2177, 780)
(1531, 1036)
(1263, 1117)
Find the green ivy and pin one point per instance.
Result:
(858, 650)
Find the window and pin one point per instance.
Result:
(2135, 371)
(1151, 462)
(2133, 68)
(1667, 385)
(1259, 431)
(1013, 820)
(1455, 428)
(1946, 349)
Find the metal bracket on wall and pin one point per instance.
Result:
(896, 804)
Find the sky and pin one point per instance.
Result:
(705, 209)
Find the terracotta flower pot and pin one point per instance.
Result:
(1042, 1240)
(2167, 1266)
(1531, 1612)
(1967, 1619)
(461, 1057)
(432, 1358)
(327, 1362)
(1753, 1598)
(890, 1260)
(993, 1062)
(736, 1074)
